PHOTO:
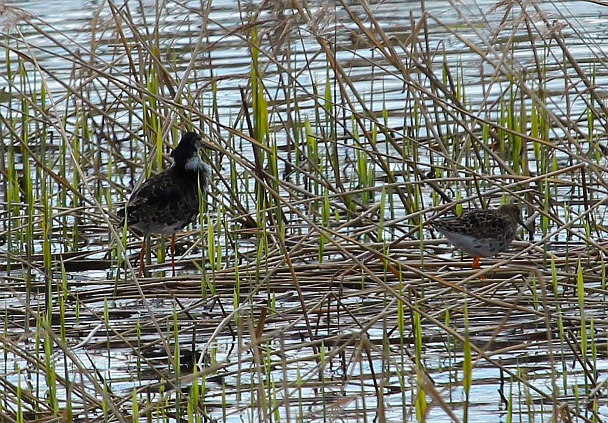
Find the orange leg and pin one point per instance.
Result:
(173, 253)
(142, 257)
(476, 261)
(476, 265)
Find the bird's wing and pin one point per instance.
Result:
(481, 223)
(485, 223)
(160, 199)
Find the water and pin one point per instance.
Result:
(354, 353)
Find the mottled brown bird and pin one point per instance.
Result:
(169, 201)
(481, 233)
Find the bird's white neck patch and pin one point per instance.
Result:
(195, 163)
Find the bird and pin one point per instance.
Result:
(169, 201)
(481, 233)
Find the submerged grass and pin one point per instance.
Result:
(312, 290)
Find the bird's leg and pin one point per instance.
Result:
(142, 256)
(173, 254)
(476, 265)
(476, 261)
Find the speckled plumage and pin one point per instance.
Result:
(169, 201)
(481, 233)
(164, 204)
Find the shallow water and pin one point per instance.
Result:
(361, 345)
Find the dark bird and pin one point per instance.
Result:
(169, 201)
(481, 233)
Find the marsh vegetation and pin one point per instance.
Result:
(311, 289)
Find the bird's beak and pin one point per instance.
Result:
(522, 223)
